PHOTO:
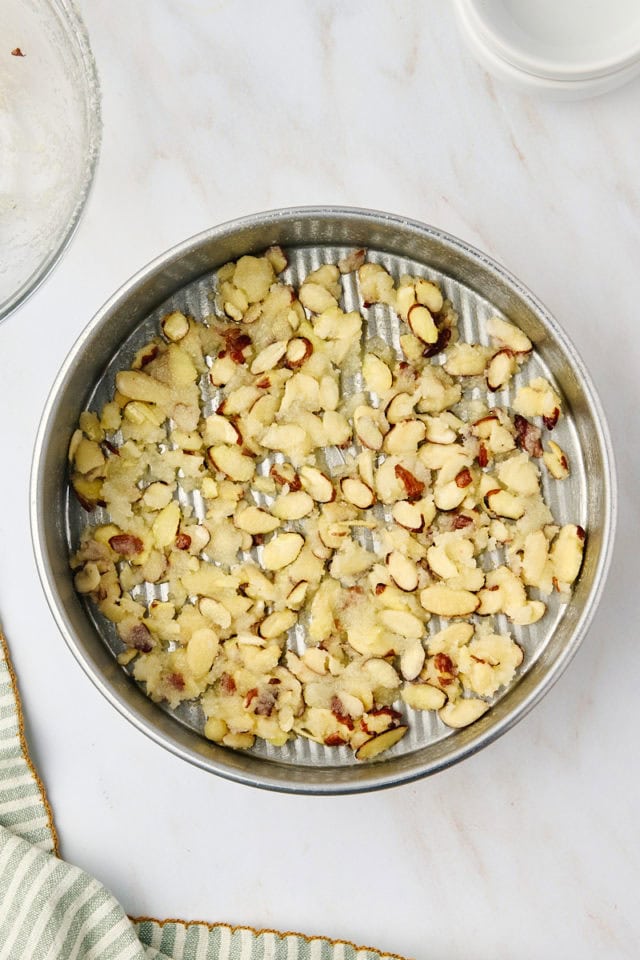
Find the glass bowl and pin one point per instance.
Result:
(49, 138)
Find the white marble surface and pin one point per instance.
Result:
(216, 109)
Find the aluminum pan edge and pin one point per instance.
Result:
(102, 670)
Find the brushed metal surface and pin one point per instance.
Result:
(184, 279)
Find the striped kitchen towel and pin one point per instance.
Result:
(51, 910)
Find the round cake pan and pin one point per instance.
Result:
(184, 278)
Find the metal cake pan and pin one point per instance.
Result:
(183, 278)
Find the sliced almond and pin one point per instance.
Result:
(368, 432)
(403, 623)
(157, 495)
(293, 506)
(253, 520)
(88, 456)
(333, 533)
(232, 462)
(284, 437)
(285, 474)
(449, 496)
(412, 661)
(447, 602)
(215, 611)
(277, 258)
(429, 294)
(316, 298)
(504, 504)
(404, 437)
(401, 407)
(376, 284)
(566, 553)
(408, 515)
(482, 428)
(422, 696)
(218, 429)
(296, 597)
(556, 462)
(175, 326)
(222, 370)
(508, 334)
(276, 624)
(376, 373)
(140, 386)
(337, 428)
(357, 492)
(422, 323)
(383, 741)
(439, 430)
(462, 712)
(500, 369)
(317, 484)
(299, 349)
(269, 357)
(281, 551)
(402, 571)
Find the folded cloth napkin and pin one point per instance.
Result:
(51, 910)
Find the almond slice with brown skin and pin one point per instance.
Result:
(368, 432)
(401, 407)
(508, 334)
(299, 349)
(462, 712)
(429, 294)
(232, 462)
(219, 429)
(422, 324)
(556, 462)
(402, 571)
(383, 741)
(407, 515)
(504, 504)
(404, 437)
(500, 369)
(317, 484)
(281, 551)
(297, 596)
(449, 496)
(357, 492)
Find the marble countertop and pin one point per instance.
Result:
(212, 110)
